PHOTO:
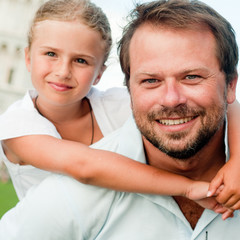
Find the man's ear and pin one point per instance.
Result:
(96, 81)
(231, 90)
(27, 58)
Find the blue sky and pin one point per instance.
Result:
(118, 10)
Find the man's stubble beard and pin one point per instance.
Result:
(209, 126)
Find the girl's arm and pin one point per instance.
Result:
(99, 167)
(105, 169)
(229, 174)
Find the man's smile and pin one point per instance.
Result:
(170, 122)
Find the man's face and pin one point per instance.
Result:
(178, 91)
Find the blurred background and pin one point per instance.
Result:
(15, 16)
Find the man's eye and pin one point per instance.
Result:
(151, 81)
(80, 60)
(50, 54)
(192, 77)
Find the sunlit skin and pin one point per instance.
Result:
(65, 59)
(177, 81)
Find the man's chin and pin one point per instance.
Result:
(183, 154)
(182, 149)
(176, 151)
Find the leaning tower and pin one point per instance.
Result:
(15, 16)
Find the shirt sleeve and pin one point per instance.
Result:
(21, 119)
(23, 122)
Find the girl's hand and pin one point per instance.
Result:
(198, 192)
(226, 186)
(212, 204)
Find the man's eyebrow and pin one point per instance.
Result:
(199, 69)
(183, 71)
(146, 73)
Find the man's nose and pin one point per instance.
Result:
(172, 94)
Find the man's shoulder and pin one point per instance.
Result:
(81, 202)
(61, 203)
(126, 141)
(125, 135)
(68, 190)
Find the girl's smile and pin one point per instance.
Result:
(59, 87)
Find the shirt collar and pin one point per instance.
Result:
(130, 143)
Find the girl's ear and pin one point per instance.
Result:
(96, 81)
(27, 58)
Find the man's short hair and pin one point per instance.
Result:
(182, 14)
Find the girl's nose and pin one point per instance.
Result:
(63, 70)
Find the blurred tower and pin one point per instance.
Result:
(15, 16)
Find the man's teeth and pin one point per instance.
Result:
(175, 121)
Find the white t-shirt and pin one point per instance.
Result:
(61, 208)
(111, 108)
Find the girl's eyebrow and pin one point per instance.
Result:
(50, 48)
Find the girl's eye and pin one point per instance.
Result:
(51, 54)
(80, 60)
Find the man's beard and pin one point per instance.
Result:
(211, 121)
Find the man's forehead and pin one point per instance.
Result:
(152, 47)
(149, 27)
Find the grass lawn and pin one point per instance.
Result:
(8, 197)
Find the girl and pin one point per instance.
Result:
(52, 126)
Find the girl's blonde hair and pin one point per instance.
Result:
(74, 10)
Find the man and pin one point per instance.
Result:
(179, 60)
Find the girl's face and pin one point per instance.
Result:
(65, 59)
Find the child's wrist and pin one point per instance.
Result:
(189, 188)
